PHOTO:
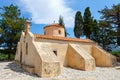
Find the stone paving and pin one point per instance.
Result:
(10, 71)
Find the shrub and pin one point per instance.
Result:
(116, 53)
(5, 56)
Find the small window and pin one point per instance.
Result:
(26, 48)
(55, 52)
(59, 31)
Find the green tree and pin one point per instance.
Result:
(88, 22)
(112, 15)
(78, 26)
(105, 38)
(11, 25)
(61, 22)
(95, 31)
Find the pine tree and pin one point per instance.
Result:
(88, 23)
(78, 26)
(11, 25)
(61, 22)
(105, 38)
(113, 17)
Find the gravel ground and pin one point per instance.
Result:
(10, 71)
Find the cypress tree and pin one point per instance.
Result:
(88, 22)
(78, 27)
(61, 22)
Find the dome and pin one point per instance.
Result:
(54, 30)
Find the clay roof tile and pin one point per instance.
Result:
(54, 24)
(62, 38)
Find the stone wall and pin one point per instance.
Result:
(103, 58)
(78, 58)
(36, 57)
(54, 31)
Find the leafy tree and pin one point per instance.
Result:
(78, 27)
(11, 25)
(113, 17)
(61, 22)
(88, 22)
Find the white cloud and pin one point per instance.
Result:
(47, 11)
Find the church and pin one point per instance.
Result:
(45, 55)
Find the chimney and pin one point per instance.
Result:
(27, 26)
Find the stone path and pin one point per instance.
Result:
(10, 71)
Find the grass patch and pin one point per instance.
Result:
(116, 53)
(5, 56)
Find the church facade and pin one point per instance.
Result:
(45, 55)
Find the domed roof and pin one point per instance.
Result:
(53, 25)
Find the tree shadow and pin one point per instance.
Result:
(117, 64)
(16, 68)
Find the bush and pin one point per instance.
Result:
(116, 53)
(5, 56)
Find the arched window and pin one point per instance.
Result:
(59, 31)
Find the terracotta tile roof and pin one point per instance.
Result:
(54, 24)
(62, 38)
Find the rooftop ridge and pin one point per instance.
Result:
(63, 38)
(54, 24)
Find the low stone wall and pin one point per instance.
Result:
(27, 68)
(118, 59)
(50, 69)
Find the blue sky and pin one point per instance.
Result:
(44, 12)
